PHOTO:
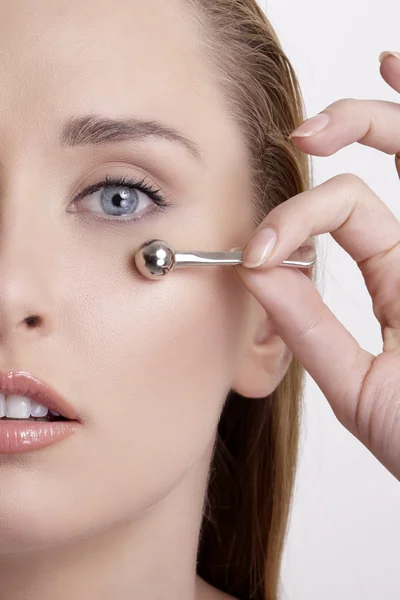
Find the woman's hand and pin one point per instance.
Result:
(362, 389)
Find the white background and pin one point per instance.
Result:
(344, 536)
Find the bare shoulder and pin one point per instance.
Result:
(205, 591)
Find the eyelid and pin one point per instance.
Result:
(121, 180)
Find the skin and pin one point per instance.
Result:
(114, 511)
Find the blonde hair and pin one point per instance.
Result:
(254, 464)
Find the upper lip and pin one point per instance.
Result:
(26, 384)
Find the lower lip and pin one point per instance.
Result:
(17, 437)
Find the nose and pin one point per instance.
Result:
(26, 301)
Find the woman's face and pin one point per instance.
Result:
(147, 364)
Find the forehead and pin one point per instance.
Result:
(125, 56)
(75, 28)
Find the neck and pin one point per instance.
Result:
(151, 557)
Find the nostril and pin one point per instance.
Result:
(33, 320)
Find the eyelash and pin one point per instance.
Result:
(129, 182)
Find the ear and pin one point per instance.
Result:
(266, 358)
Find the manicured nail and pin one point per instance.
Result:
(386, 53)
(312, 126)
(259, 248)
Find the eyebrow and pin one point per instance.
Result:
(93, 129)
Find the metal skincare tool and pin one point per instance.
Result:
(156, 258)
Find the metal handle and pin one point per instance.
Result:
(303, 258)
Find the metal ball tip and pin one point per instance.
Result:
(155, 259)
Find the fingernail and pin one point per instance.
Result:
(386, 53)
(260, 248)
(312, 126)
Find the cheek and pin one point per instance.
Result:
(161, 360)
(151, 368)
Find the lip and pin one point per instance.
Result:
(26, 384)
(19, 436)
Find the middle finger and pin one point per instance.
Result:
(374, 123)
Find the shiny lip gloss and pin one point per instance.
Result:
(19, 435)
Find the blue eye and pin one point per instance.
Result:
(120, 197)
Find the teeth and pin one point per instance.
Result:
(38, 410)
(20, 407)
